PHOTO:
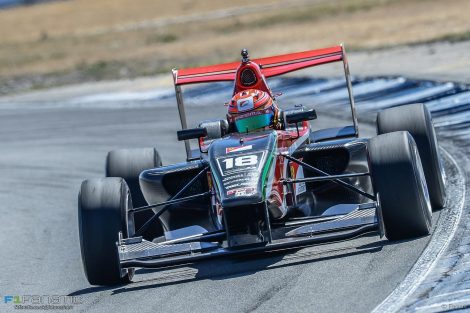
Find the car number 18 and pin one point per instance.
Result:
(245, 160)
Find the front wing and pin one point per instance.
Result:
(138, 252)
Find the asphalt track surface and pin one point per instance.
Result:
(45, 154)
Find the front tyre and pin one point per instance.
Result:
(416, 119)
(103, 206)
(398, 179)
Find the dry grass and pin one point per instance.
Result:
(122, 38)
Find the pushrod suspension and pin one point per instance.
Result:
(147, 224)
(169, 202)
(323, 178)
(330, 177)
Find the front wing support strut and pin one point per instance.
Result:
(333, 178)
(147, 224)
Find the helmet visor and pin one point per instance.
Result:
(251, 123)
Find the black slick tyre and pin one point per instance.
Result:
(416, 119)
(399, 181)
(128, 164)
(103, 206)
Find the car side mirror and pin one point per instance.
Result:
(215, 128)
(296, 117)
(191, 133)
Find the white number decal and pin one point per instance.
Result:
(228, 163)
(245, 160)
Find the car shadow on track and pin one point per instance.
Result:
(227, 268)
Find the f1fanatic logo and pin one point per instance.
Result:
(37, 300)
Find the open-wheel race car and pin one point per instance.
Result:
(261, 179)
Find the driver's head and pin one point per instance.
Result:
(252, 110)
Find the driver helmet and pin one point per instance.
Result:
(252, 110)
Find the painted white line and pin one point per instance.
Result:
(443, 234)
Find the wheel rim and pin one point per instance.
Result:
(439, 159)
(130, 232)
(130, 217)
(424, 186)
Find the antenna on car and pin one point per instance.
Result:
(245, 57)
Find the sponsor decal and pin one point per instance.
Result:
(232, 177)
(240, 184)
(300, 188)
(238, 149)
(245, 179)
(254, 113)
(240, 192)
(297, 172)
(245, 104)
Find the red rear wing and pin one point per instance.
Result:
(270, 66)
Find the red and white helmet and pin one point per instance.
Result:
(251, 110)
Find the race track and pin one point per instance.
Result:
(47, 149)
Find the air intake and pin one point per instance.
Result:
(248, 77)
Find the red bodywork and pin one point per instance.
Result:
(269, 67)
(285, 140)
(263, 68)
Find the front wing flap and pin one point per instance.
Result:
(138, 252)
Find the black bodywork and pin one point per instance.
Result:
(339, 193)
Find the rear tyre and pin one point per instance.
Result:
(398, 178)
(103, 206)
(128, 164)
(416, 119)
